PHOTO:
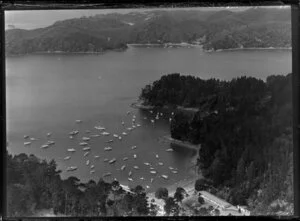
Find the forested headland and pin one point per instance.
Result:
(244, 127)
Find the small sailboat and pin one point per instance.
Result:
(128, 112)
(49, 134)
(67, 158)
(86, 148)
(174, 171)
(157, 118)
(171, 168)
(78, 121)
(112, 161)
(83, 144)
(107, 148)
(142, 178)
(160, 163)
(71, 137)
(105, 160)
(123, 167)
(170, 119)
(133, 126)
(99, 128)
(92, 171)
(72, 168)
(106, 174)
(26, 136)
(164, 176)
(71, 150)
(151, 180)
(145, 118)
(153, 171)
(152, 121)
(86, 138)
(147, 186)
(125, 158)
(133, 147)
(109, 141)
(130, 179)
(151, 168)
(120, 138)
(123, 122)
(44, 146)
(130, 173)
(161, 114)
(151, 112)
(147, 164)
(172, 113)
(138, 125)
(136, 167)
(86, 153)
(50, 142)
(134, 156)
(88, 131)
(92, 166)
(74, 132)
(87, 162)
(169, 150)
(157, 156)
(95, 135)
(105, 133)
(115, 135)
(33, 139)
(96, 156)
(129, 128)
(124, 133)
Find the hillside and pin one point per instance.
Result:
(214, 29)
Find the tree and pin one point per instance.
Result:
(200, 184)
(201, 200)
(178, 195)
(170, 207)
(162, 193)
(217, 212)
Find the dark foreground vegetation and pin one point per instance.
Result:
(244, 127)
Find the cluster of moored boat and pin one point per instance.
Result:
(86, 148)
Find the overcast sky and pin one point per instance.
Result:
(31, 19)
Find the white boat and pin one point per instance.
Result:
(123, 122)
(133, 127)
(50, 142)
(115, 135)
(105, 133)
(86, 153)
(142, 178)
(95, 135)
(71, 168)
(174, 171)
(71, 150)
(78, 121)
(151, 180)
(96, 156)
(160, 163)
(161, 114)
(138, 125)
(106, 174)
(171, 168)
(130, 179)
(44, 146)
(112, 160)
(157, 118)
(107, 148)
(124, 133)
(134, 156)
(109, 141)
(147, 186)
(151, 168)
(125, 158)
(169, 150)
(164, 176)
(133, 116)
(157, 156)
(133, 147)
(99, 128)
(133, 120)
(151, 112)
(83, 144)
(170, 119)
(152, 121)
(26, 136)
(67, 158)
(87, 162)
(172, 113)
(49, 134)
(33, 139)
(74, 132)
(130, 173)
(136, 167)
(129, 128)
(123, 167)
(92, 166)
(71, 137)
(147, 164)
(105, 160)
(153, 171)
(86, 138)
(120, 138)
(86, 148)
(92, 171)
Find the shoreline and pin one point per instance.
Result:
(252, 48)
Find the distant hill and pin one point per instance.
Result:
(256, 27)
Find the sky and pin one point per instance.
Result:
(31, 19)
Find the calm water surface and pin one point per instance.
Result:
(47, 93)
